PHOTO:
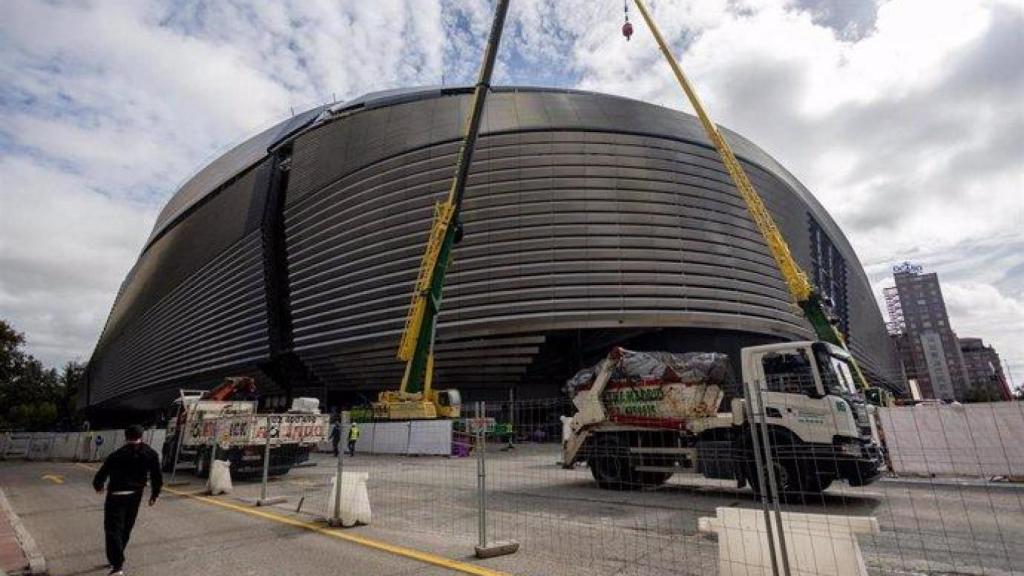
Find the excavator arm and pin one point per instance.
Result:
(800, 288)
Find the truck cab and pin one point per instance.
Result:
(820, 427)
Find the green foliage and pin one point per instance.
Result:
(32, 396)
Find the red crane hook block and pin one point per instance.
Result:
(627, 30)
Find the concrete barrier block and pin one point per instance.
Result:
(40, 446)
(355, 499)
(17, 445)
(817, 544)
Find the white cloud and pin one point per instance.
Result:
(108, 107)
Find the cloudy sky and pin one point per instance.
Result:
(905, 117)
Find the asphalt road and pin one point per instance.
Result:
(565, 524)
(928, 527)
(179, 535)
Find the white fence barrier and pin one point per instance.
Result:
(979, 440)
(420, 437)
(816, 544)
(40, 446)
(16, 445)
(79, 446)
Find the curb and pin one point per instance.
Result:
(953, 482)
(36, 562)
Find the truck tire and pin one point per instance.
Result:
(613, 469)
(812, 481)
(651, 479)
(795, 485)
(167, 456)
(203, 464)
(609, 464)
(785, 474)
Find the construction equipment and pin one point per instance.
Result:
(227, 416)
(417, 399)
(807, 298)
(627, 26)
(643, 416)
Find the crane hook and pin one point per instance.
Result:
(627, 28)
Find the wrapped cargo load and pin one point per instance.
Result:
(658, 389)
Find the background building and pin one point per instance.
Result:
(984, 371)
(919, 323)
(590, 220)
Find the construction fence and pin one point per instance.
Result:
(949, 499)
(86, 446)
(951, 506)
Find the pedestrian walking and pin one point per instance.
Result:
(353, 435)
(125, 473)
(336, 436)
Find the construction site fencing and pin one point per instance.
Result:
(948, 498)
(84, 446)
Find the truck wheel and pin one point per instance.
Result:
(609, 464)
(785, 479)
(167, 461)
(650, 479)
(815, 483)
(203, 464)
(811, 481)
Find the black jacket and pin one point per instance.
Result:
(128, 467)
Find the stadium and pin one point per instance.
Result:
(589, 220)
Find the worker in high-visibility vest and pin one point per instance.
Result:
(353, 435)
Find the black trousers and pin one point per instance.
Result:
(351, 447)
(334, 443)
(119, 513)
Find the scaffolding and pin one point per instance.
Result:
(896, 324)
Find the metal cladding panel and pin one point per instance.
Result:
(216, 318)
(589, 219)
(582, 212)
(234, 162)
(210, 229)
(194, 302)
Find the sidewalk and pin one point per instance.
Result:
(954, 481)
(18, 552)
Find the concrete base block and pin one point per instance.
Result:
(355, 500)
(817, 544)
(499, 548)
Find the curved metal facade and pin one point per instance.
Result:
(589, 220)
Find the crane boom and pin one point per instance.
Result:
(416, 397)
(800, 288)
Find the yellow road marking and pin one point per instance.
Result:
(55, 478)
(411, 553)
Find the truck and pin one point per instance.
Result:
(225, 419)
(643, 416)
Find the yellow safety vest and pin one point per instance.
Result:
(353, 433)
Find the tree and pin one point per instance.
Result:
(10, 355)
(32, 396)
(72, 379)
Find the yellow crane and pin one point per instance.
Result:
(800, 288)
(416, 398)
